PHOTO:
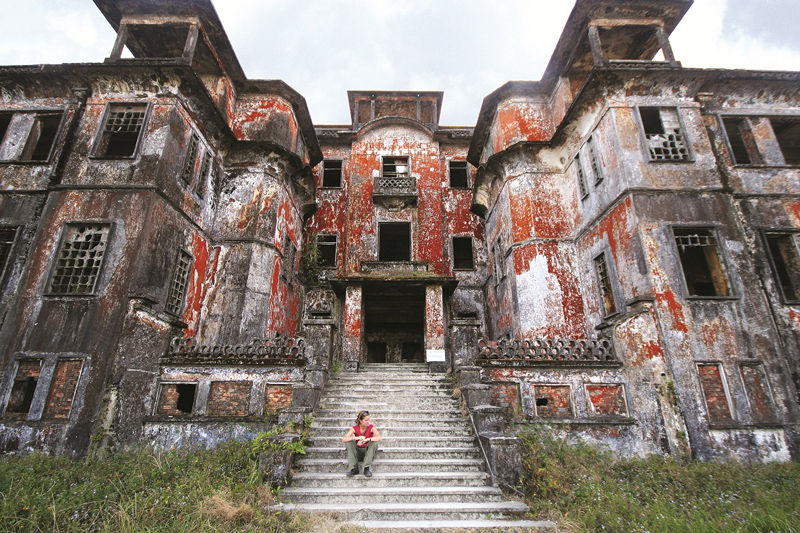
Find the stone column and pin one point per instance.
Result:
(434, 328)
(353, 334)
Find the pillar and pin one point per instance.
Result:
(434, 328)
(353, 334)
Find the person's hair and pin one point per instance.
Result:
(361, 416)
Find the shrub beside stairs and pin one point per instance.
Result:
(429, 471)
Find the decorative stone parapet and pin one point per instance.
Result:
(546, 351)
(281, 350)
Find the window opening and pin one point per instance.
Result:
(787, 132)
(332, 173)
(77, 269)
(121, 131)
(395, 167)
(604, 282)
(785, 264)
(186, 392)
(180, 284)
(62, 391)
(499, 263)
(24, 386)
(462, 253)
(5, 121)
(702, 265)
(581, 177)
(191, 158)
(8, 235)
(734, 128)
(395, 241)
(715, 394)
(326, 247)
(662, 129)
(205, 170)
(41, 137)
(597, 168)
(459, 178)
(759, 397)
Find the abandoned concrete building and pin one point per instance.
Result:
(611, 251)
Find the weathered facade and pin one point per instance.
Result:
(611, 250)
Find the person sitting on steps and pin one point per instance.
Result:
(361, 442)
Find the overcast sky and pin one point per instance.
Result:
(466, 48)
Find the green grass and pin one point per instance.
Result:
(588, 490)
(217, 490)
(220, 490)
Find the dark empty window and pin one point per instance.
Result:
(121, 130)
(604, 283)
(80, 258)
(459, 178)
(662, 131)
(739, 139)
(41, 137)
(7, 236)
(787, 132)
(24, 386)
(785, 264)
(186, 393)
(395, 241)
(332, 173)
(5, 120)
(180, 284)
(395, 167)
(701, 262)
(462, 253)
(326, 247)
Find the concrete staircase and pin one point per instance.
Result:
(429, 472)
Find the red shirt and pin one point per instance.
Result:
(367, 434)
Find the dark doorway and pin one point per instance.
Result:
(376, 352)
(394, 322)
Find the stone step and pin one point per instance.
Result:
(417, 511)
(401, 442)
(385, 415)
(422, 404)
(338, 465)
(517, 526)
(397, 431)
(347, 422)
(389, 378)
(394, 452)
(379, 494)
(391, 367)
(382, 478)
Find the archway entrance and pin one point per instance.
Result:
(394, 323)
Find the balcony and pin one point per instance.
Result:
(395, 192)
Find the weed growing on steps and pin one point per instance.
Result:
(595, 491)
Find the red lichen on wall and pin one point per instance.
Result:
(201, 280)
(517, 122)
(607, 400)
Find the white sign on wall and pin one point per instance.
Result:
(434, 356)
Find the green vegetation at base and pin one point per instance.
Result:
(586, 490)
(215, 490)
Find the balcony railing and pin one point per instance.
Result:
(395, 191)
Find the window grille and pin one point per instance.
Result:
(7, 236)
(191, 158)
(581, 177)
(662, 129)
(604, 283)
(121, 131)
(597, 168)
(80, 258)
(205, 168)
(701, 262)
(180, 284)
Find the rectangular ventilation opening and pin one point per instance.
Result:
(395, 241)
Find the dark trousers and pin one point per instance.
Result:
(356, 453)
